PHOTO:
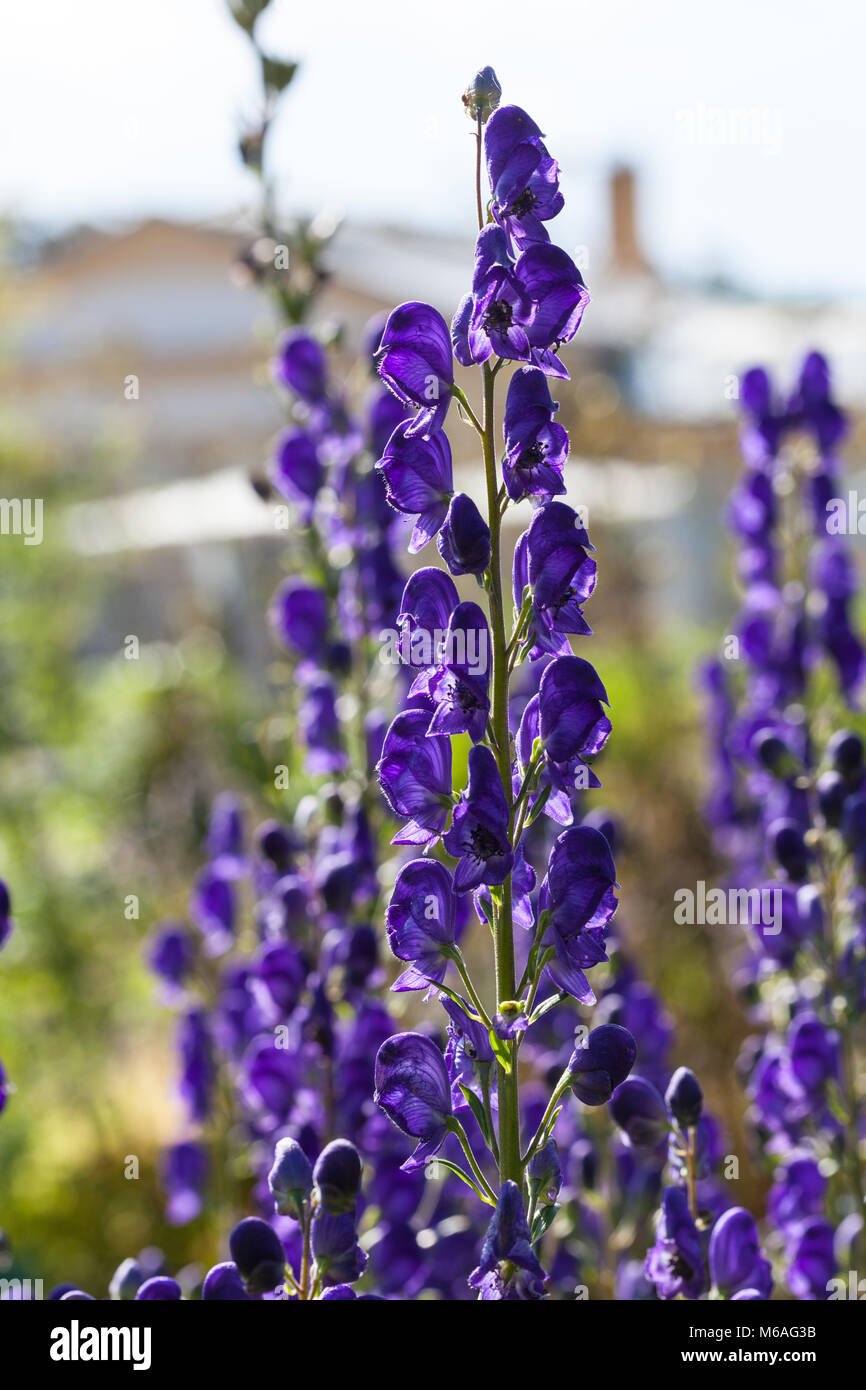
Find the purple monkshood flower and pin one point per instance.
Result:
(414, 1090)
(578, 893)
(560, 297)
(524, 179)
(280, 973)
(302, 365)
(5, 913)
(384, 414)
(797, 1193)
(299, 614)
(459, 686)
(508, 1243)
(415, 776)
(464, 538)
(812, 1261)
(536, 447)
(4, 1088)
(213, 909)
(171, 954)
(813, 1056)
(560, 571)
(551, 557)
(198, 1069)
(501, 306)
(601, 1062)
(320, 727)
(429, 599)
(414, 360)
(572, 723)
(468, 1048)
(479, 828)
(675, 1263)
(811, 406)
(735, 1256)
(420, 922)
(271, 1078)
(295, 469)
(184, 1170)
(418, 480)
(225, 836)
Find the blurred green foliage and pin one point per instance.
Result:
(107, 768)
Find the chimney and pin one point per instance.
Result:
(626, 255)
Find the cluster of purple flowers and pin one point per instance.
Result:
(787, 808)
(524, 759)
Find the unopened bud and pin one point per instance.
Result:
(481, 97)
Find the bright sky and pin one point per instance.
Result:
(118, 108)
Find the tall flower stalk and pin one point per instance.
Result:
(788, 813)
(527, 299)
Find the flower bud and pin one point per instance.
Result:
(258, 1253)
(337, 1176)
(775, 755)
(786, 844)
(290, 1179)
(481, 97)
(544, 1173)
(684, 1098)
(223, 1284)
(159, 1289)
(845, 751)
(640, 1112)
(832, 791)
(126, 1280)
(601, 1062)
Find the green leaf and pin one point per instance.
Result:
(538, 806)
(543, 1221)
(464, 1177)
(458, 999)
(276, 74)
(477, 1110)
(500, 1052)
(546, 1004)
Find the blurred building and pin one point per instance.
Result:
(141, 337)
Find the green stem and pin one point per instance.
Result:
(503, 932)
(470, 988)
(690, 1171)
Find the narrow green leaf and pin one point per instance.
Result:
(500, 1052)
(543, 1221)
(477, 1110)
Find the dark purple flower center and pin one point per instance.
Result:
(484, 843)
(533, 454)
(679, 1266)
(498, 316)
(524, 204)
